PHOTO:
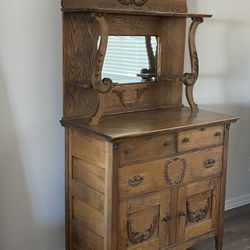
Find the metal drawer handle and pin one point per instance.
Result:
(167, 219)
(128, 151)
(167, 143)
(217, 134)
(136, 180)
(209, 163)
(202, 129)
(182, 214)
(186, 140)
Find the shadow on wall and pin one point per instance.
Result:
(17, 228)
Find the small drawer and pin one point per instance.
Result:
(201, 137)
(146, 148)
(156, 175)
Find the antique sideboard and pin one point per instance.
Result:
(143, 172)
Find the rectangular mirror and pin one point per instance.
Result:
(131, 59)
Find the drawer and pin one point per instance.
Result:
(201, 137)
(156, 175)
(145, 148)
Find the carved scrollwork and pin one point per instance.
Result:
(198, 207)
(131, 2)
(106, 84)
(136, 237)
(189, 79)
(178, 171)
(120, 94)
(102, 86)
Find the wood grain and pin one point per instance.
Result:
(131, 125)
(200, 137)
(104, 5)
(154, 177)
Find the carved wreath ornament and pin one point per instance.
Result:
(174, 171)
(131, 2)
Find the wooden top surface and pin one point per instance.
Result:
(129, 125)
(140, 13)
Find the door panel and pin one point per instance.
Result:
(198, 206)
(145, 222)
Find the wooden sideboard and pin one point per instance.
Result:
(143, 172)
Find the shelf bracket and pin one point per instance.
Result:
(102, 86)
(189, 79)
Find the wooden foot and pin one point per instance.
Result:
(219, 242)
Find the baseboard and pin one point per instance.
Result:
(237, 202)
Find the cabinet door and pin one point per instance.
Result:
(145, 222)
(198, 208)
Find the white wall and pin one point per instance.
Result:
(224, 84)
(31, 139)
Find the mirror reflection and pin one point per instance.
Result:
(131, 59)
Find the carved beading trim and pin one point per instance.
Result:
(189, 79)
(197, 211)
(133, 2)
(180, 177)
(120, 94)
(136, 237)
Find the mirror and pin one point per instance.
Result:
(131, 59)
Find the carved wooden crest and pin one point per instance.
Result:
(131, 2)
(174, 171)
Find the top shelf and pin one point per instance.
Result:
(138, 13)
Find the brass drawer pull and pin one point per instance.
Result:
(168, 143)
(202, 129)
(209, 163)
(136, 180)
(186, 140)
(128, 151)
(218, 134)
(182, 214)
(167, 219)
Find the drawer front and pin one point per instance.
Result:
(156, 175)
(201, 137)
(146, 148)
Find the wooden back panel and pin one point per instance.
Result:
(80, 37)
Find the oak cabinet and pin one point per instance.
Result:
(142, 171)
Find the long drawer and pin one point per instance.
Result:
(155, 175)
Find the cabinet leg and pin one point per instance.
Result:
(219, 241)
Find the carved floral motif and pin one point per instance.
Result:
(136, 237)
(198, 207)
(133, 2)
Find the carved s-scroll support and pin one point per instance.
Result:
(150, 53)
(189, 79)
(102, 86)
